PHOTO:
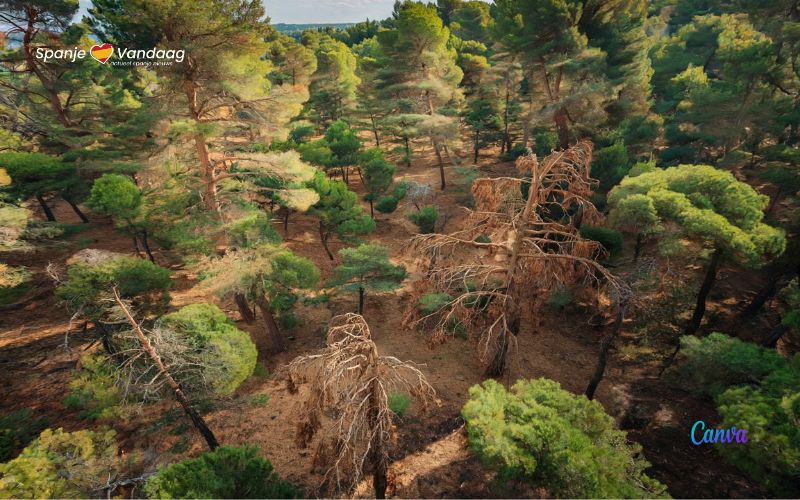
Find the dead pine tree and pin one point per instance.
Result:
(347, 405)
(147, 349)
(520, 243)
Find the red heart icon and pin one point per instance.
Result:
(102, 52)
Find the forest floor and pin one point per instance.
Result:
(431, 459)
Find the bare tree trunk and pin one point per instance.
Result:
(206, 168)
(78, 211)
(47, 212)
(775, 335)
(360, 300)
(323, 236)
(440, 161)
(244, 307)
(375, 132)
(700, 307)
(637, 252)
(195, 417)
(146, 246)
(378, 458)
(273, 332)
(605, 346)
(371, 209)
(702, 296)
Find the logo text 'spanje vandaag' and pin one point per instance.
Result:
(117, 56)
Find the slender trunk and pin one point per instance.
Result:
(375, 132)
(47, 212)
(777, 279)
(273, 332)
(360, 300)
(378, 455)
(78, 211)
(323, 237)
(286, 220)
(702, 296)
(637, 252)
(497, 365)
(700, 307)
(528, 122)
(206, 168)
(506, 147)
(31, 66)
(244, 307)
(195, 417)
(775, 335)
(408, 151)
(136, 246)
(477, 147)
(146, 246)
(441, 164)
(605, 346)
(562, 125)
(371, 209)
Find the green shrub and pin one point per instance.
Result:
(116, 196)
(712, 364)
(611, 239)
(610, 165)
(227, 472)
(61, 464)
(17, 429)
(386, 204)
(554, 439)
(399, 403)
(430, 303)
(301, 133)
(259, 399)
(92, 389)
(226, 353)
(559, 299)
(425, 219)
(516, 151)
(545, 142)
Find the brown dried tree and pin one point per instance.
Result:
(520, 243)
(349, 385)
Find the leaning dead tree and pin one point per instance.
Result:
(156, 372)
(347, 404)
(521, 243)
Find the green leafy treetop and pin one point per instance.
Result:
(367, 267)
(227, 472)
(35, 175)
(564, 443)
(227, 353)
(709, 206)
(338, 211)
(116, 196)
(61, 464)
(378, 175)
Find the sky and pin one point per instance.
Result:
(320, 11)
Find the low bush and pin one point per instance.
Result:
(61, 464)
(425, 219)
(17, 429)
(227, 472)
(611, 239)
(564, 443)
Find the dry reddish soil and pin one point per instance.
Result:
(431, 459)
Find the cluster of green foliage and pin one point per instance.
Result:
(17, 429)
(61, 464)
(92, 389)
(215, 338)
(755, 389)
(425, 218)
(610, 239)
(227, 472)
(134, 278)
(367, 268)
(567, 444)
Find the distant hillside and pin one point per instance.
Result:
(296, 29)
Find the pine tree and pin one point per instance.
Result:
(338, 211)
(367, 268)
